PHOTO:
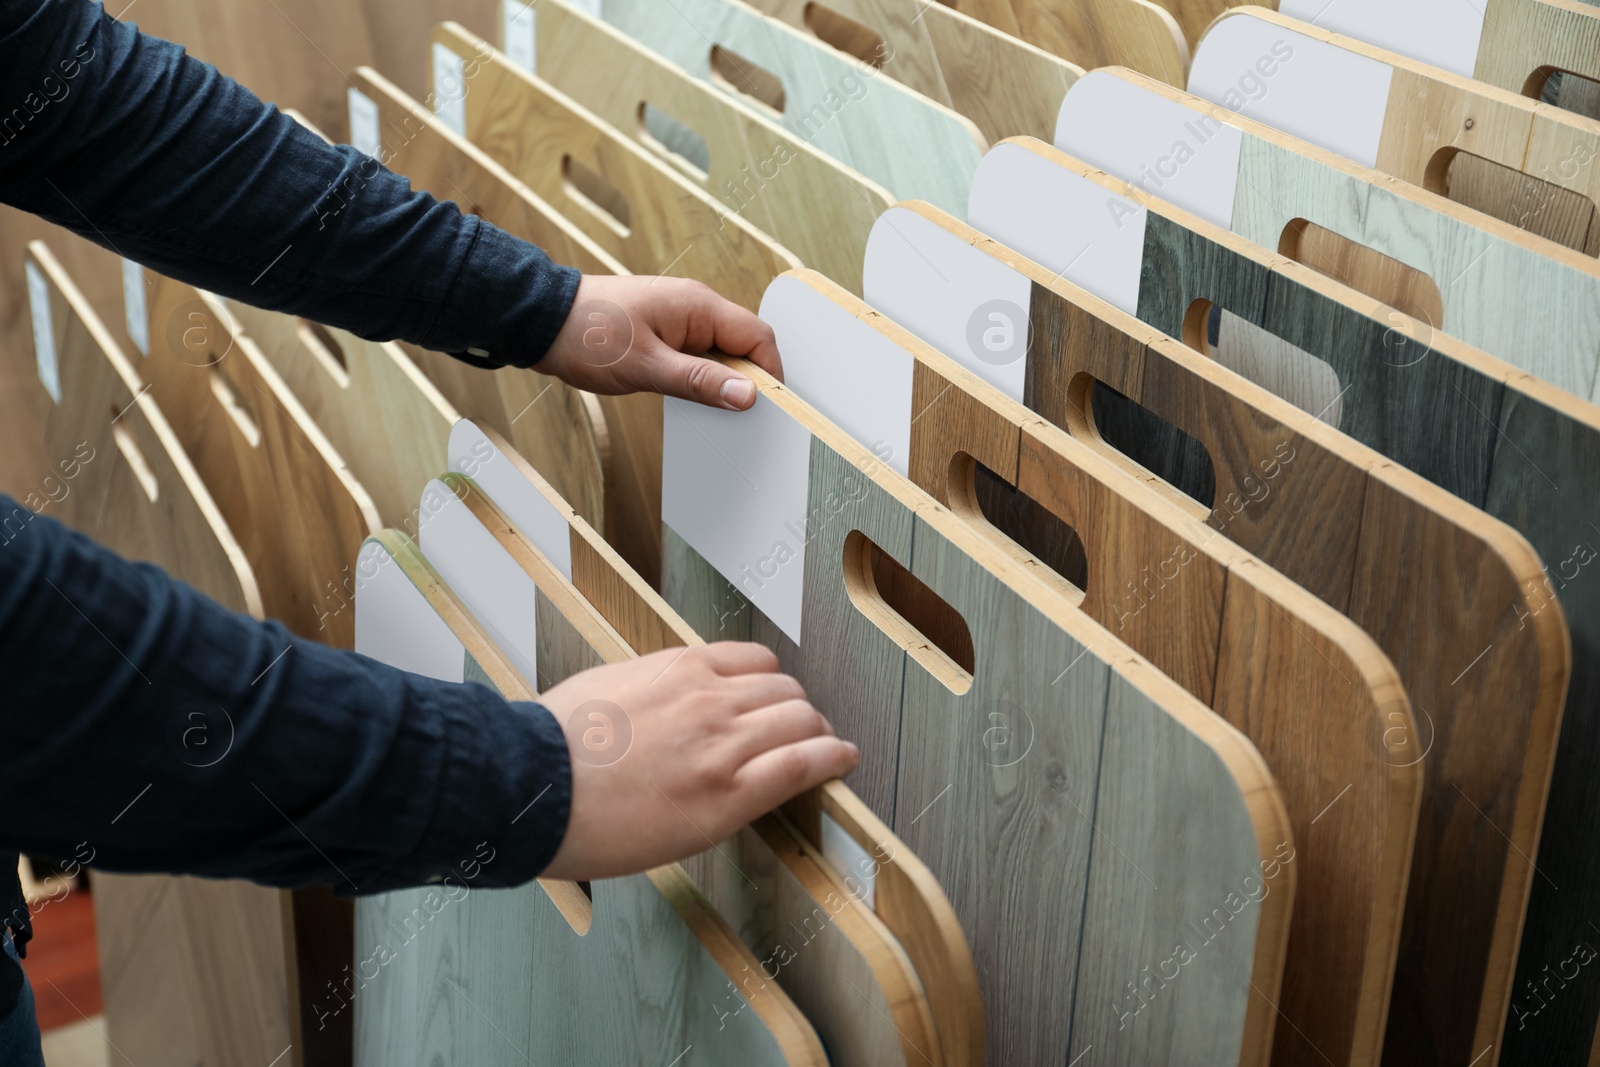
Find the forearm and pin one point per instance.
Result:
(167, 734)
(144, 150)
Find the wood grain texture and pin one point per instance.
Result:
(632, 986)
(1241, 637)
(1428, 403)
(299, 512)
(1527, 36)
(909, 901)
(1441, 130)
(389, 422)
(672, 226)
(1128, 33)
(811, 204)
(1005, 85)
(993, 813)
(906, 142)
(171, 949)
(1519, 297)
(553, 424)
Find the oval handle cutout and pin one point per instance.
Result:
(846, 34)
(674, 142)
(1564, 89)
(234, 404)
(977, 493)
(1308, 382)
(1366, 270)
(596, 195)
(327, 350)
(131, 452)
(735, 72)
(1526, 201)
(918, 619)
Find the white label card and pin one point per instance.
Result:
(44, 334)
(396, 625)
(133, 304)
(852, 862)
(450, 88)
(534, 514)
(518, 25)
(735, 485)
(364, 124)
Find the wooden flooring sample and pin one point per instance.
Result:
(189, 966)
(1005, 85)
(553, 423)
(620, 978)
(299, 512)
(900, 139)
(809, 202)
(1519, 297)
(1127, 33)
(1316, 695)
(1427, 402)
(1489, 149)
(993, 718)
(637, 207)
(1513, 44)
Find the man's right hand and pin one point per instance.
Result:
(674, 751)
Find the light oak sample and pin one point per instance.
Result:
(1425, 401)
(299, 513)
(1524, 162)
(642, 211)
(809, 202)
(1131, 33)
(906, 142)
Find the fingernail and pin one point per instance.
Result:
(738, 393)
(851, 745)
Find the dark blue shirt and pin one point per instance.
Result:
(336, 769)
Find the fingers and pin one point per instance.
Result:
(774, 726)
(716, 322)
(740, 657)
(749, 693)
(704, 381)
(781, 773)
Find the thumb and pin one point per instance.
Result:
(704, 381)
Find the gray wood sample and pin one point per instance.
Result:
(996, 776)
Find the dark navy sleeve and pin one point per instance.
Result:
(147, 728)
(155, 155)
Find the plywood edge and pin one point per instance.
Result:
(40, 254)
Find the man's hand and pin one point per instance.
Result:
(674, 751)
(632, 334)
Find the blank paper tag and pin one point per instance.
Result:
(449, 89)
(364, 123)
(134, 306)
(44, 335)
(516, 34)
(591, 7)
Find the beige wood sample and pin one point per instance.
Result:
(1319, 699)
(991, 816)
(1005, 85)
(554, 424)
(299, 513)
(1098, 33)
(908, 900)
(810, 203)
(1421, 399)
(1487, 148)
(666, 225)
(189, 966)
(621, 972)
